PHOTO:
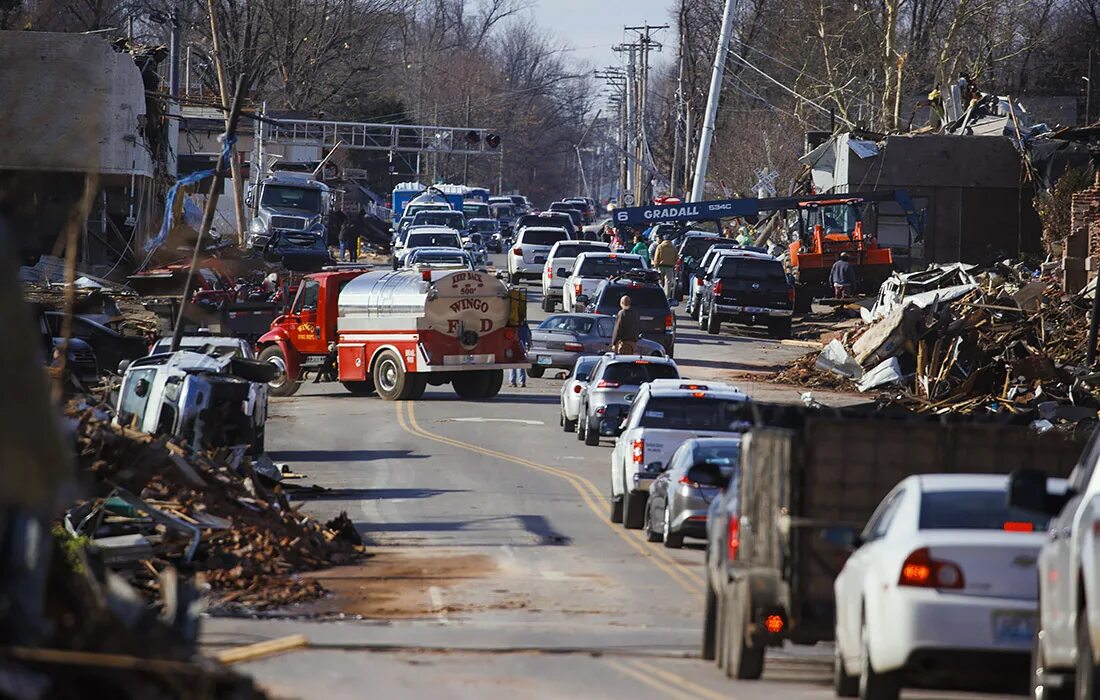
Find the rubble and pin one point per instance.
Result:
(208, 513)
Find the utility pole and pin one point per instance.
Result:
(631, 119)
(466, 158)
(707, 135)
(234, 165)
(641, 174)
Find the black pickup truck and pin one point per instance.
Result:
(749, 288)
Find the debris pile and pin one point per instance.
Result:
(212, 512)
(956, 339)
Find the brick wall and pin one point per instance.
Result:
(1082, 249)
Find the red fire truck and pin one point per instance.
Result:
(395, 332)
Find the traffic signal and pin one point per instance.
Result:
(492, 141)
(473, 138)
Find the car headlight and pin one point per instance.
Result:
(257, 226)
(317, 229)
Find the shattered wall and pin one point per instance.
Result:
(1082, 246)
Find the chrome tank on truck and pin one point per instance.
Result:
(440, 325)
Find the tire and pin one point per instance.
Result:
(569, 426)
(417, 384)
(391, 381)
(494, 383)
(633, 510)
(469, 385)
(281, 385)
(780, 329)
(710, 624)
(547, 304)
(713, 324)
(1038, 690)
(647, 527)
(515, 278)
(672, 540)
(1084, 677)
(616, 514)
(720, 629)
(872, 684)
(591, 437)
(844, 686)
(536, 372)
(582, 426)
(360, 388)
(742, 662)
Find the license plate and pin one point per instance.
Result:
(1013, 628)
(543, 360)
(647, 318)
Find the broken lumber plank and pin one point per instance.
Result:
(252, 652)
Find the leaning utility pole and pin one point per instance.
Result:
(707, 134)
(631, 119)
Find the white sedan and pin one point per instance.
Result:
(942, 586)
(572, 389)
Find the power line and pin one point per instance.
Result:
(800, 96)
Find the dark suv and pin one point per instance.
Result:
(646, 297)
(749, 288)
(693, 246)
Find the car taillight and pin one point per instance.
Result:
(517, 251)
(790, 294)
(733, 540)
(679, 265)
(576, 388)
(549, 271)
(574, 347)
(1022, 526)
(922, 571)
(718, 288)
(668, 323)
(576, 290)
(604, 384)
(698, 282)
(637, 454)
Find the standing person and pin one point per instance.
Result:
(744, 238)
(628, 327)
(664, 259)
(640, 248)
(843, 277)
(520, 375)
(336, 222)
(348, 240)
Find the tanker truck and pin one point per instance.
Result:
(395, 332)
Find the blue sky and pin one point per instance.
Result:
(592, 27)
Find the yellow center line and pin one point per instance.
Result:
(641, 677)
(687, 579)
(679, 681)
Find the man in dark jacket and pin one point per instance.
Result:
(842, 277)
(628, 327)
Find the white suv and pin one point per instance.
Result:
(664, 414)
(528, 253)
(589, 269)
(559, 262)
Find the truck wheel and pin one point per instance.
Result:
(547, 304)
(494, 383)
(780, 329)
(365, 388)
(713, 324)
(742, 661)
(469, 385)
(710, 614)
(1085, 676)
(390, 378)
(416, 383)
(633, 510)
(536, 372)
(281, 385)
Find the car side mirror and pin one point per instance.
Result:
(122, 366)
(706, 474)
(1027, 490)
(841, 537)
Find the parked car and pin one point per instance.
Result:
(747, 288)
(489, 230)
(693, 245)
(559, 340)
(559, 262)
(584, 206)
(940, 589)
(614, 383)
(426, 237)
(575, 214)
(663, 414)
(445, 218)
(213, 345)
(592, 267)
(548, 219)
(646, 297)
(572, 389)
(527, 255)
(474, 245)
(681, 495)
(695, 279)
(1065, 657)
(108, 345)
(80, 359)
(477, 210)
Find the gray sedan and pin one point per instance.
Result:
(558, 341)
(681, 496)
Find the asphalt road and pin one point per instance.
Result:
(495, 571)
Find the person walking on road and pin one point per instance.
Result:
(349, 239)
(664, 259)
(628, 327)
(843, 277)
(640, 248)
(519, 376)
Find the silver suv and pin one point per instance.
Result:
(612, 385)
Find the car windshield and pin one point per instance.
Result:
(544, 237)
(691, 413)
(441, 240)
(545, 219)
(756, 270)
(608, 266)
(572, 250)
(500, 210)
(696, 246)
(484, 225)
(565, 322)
(725, 457)
(640, 298)
(441, 259)
(304, 198)
(976, 510)
(476, 209)
(635, 373)
(451, 219)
